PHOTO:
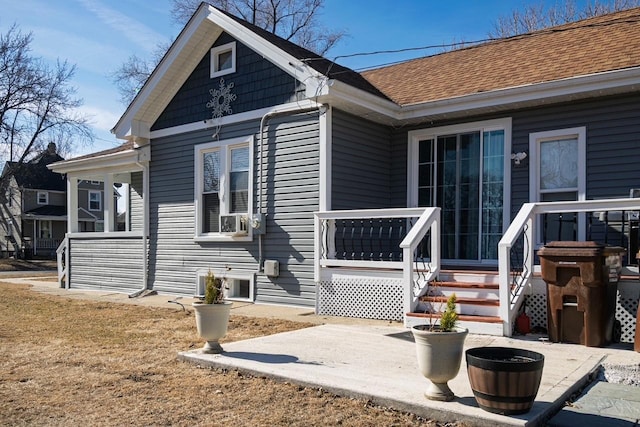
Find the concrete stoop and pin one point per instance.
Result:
(379, 364)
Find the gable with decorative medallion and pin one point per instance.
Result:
(256, 83)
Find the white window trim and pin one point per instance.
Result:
(534, 166)
(89, 193)
(49, 227)
(201, 275)
(534, 152)
(215, 53)
(227, 145)
(431, 133)
(46, 197)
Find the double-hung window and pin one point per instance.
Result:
(43, 198)
(558, 173)
(223, 184)
(95, 201)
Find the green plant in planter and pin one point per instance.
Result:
(449, 317)
(213, 293)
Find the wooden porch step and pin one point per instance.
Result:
(461, 317)
(461, 300)
(467, 285)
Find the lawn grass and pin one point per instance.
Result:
(66, 362)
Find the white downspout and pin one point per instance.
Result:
(145, 227)
(293, 110)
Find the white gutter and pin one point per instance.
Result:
(114, 160)
(607, 81)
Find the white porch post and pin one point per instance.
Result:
(325, 125)
(72, 204)
(127, 204)
(109, 205)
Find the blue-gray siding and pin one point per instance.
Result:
(291, 195)
(613, 143)
(361, 173)
(257, 83)
(99, 264)
(136, 202)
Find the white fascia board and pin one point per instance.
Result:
(46, 217)
(344, 92)
(95, 218)
(233, 118)
(522, 94)
(594, 83)
(125, 127)
(266, 49)
(123, 160)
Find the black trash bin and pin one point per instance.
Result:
(581, 293)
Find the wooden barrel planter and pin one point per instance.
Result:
(504, 380)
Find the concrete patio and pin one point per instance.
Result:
(375, 360)
(378, 363)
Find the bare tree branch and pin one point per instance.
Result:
(536, 17)
(293, 20)
(37, 103)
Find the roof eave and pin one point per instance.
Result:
(128, 159)
(46, 217)
(605, 83)
(383, 111)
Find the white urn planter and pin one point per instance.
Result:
(212, 321)
(439, 356)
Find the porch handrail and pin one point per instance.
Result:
(321, 234)
(62, 261)
(429, 221)
(371, 213)
(524, 224)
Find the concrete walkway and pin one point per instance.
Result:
(375, 360)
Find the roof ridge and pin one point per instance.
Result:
(606, 20)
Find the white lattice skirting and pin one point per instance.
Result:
(626, 308)
(366, 298)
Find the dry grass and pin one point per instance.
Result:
(77, 362)
(10, 264)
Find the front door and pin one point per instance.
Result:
(463, 173)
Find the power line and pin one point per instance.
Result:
(466, 44)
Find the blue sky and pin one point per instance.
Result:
(99, 35)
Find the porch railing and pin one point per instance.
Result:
(417, 279)
(516, 250)
(404, 240)
(62, 255)
(45, 244)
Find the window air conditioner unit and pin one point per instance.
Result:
(234, 224)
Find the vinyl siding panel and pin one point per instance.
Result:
(613, 143)
(136, 202)
(257, 83)
(360, 163)
(290, 195)
(101, 264)
(398, 174)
